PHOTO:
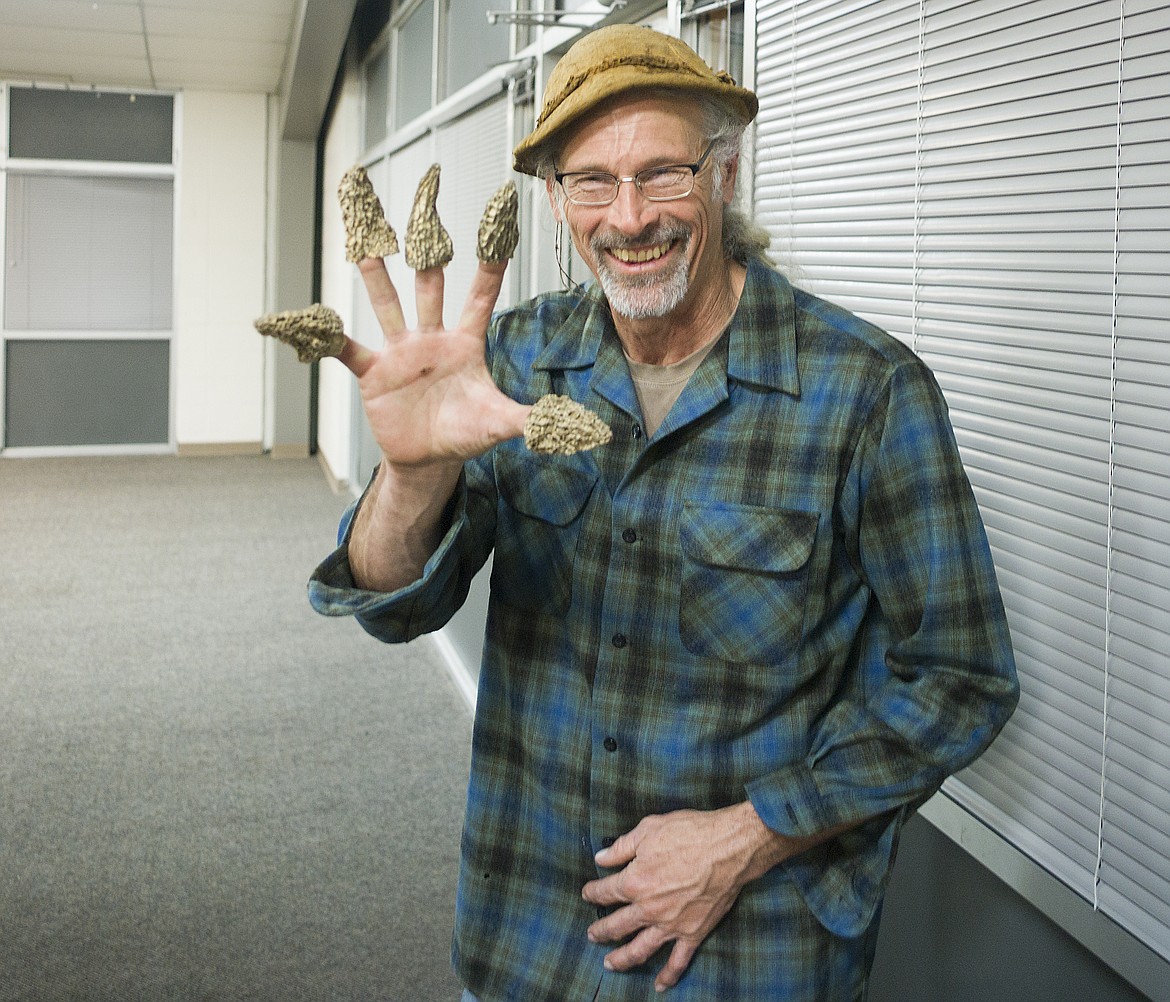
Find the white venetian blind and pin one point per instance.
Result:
(476, 159)
(1135, 871)
(111, 235)
(838, 86)
(1022, 221)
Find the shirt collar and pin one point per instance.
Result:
(761, 343)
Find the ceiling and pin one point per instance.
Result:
(237, 45)
(285, 47)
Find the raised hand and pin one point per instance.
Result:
(427, 393)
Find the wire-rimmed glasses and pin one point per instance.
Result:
(658, 184)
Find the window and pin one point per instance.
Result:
(987, 181)
(473, 46)
(413, 71)
(376, 79)
(109, 238)
(86, 308)
(715, 31)
(55, 124)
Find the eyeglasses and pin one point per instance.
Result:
(658, 184)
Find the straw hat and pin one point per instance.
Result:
(616, 59)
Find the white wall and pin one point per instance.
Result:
(336, 386)
(220, 270)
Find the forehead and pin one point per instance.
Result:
(634, 128)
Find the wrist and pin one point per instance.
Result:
(763, 847)
(400, 523)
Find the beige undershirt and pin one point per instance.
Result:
(659, 386)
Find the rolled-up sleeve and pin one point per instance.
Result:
(422, 606)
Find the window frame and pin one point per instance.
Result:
(89, 169)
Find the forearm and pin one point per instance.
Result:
(399, 524)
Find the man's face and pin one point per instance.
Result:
(650, 257)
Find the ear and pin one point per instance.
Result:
(729, 176)
(550, 183)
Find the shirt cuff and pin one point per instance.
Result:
(408, 612)
(789, 802)
(843, 879)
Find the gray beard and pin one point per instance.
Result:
(648, 297)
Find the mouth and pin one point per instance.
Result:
(640, 255)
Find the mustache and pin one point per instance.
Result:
(658, 234)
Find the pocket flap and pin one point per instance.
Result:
(550, 490)
(748, 537)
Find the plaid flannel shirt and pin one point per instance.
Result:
(785, 594)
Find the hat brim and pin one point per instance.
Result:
(619, 81)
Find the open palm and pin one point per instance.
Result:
(427, 393)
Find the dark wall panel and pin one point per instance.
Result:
(61, 393)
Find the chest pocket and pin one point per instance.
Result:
(744, 580)
(539, 520)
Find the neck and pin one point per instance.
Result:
(696, 322)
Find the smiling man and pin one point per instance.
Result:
(727, 653)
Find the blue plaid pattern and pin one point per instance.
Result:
(785, 594)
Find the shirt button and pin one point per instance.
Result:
(629, 535)
(610, 744)
(620, 640)
(636, 432)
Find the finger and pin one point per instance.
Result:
(624, 848)
(356, 357)
(482, 296)
(676, 965)
(383, 296)
(428, 296)
(618, 925)
(637, 951)
(606, 891)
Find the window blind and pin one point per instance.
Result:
(468, 183)
(835, 174)
(987, 180)
(1135, 871)
(111, 237)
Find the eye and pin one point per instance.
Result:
(665, 180)
(591, 183)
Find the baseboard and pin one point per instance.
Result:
(1096, 932)
(455, 668)
(289, 450)
(336, 485)
(187, 449)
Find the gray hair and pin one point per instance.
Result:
(743, 238)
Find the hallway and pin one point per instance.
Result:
(206, 790)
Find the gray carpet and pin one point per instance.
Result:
(207, 791)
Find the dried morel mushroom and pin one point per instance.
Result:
(428, 244)
(367, 233)
(314, 332)
(558, 424)
(499, 231)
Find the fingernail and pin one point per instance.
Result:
(607, 964)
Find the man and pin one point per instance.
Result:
(727, 653)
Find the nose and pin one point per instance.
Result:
(631, 209)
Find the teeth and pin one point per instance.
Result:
(638, 256)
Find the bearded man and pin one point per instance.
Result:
(729, 652)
